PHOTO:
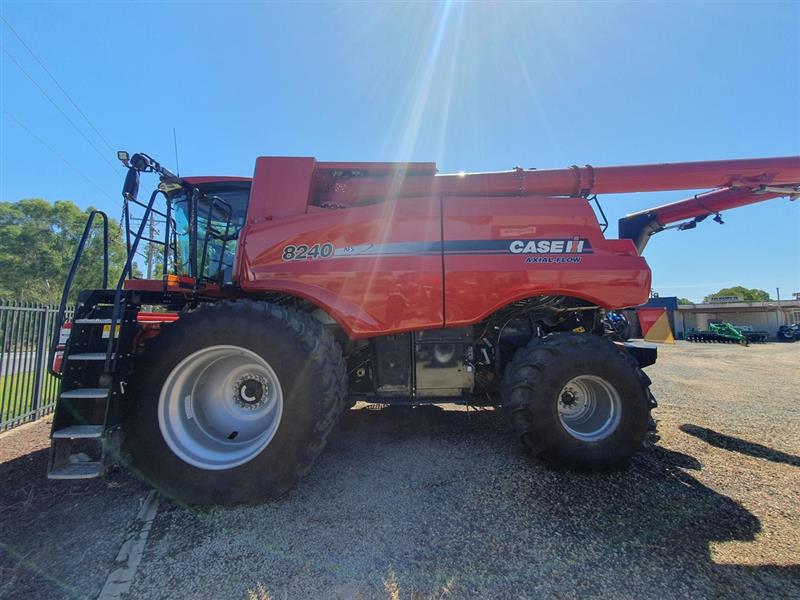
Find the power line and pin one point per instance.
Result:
(71, 122)
(46, 70)
(54, 151)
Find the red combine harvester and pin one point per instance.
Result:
(287, 297)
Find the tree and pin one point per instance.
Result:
(747, 295)
(38, 240)
(684, 301)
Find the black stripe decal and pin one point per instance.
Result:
(465, 248)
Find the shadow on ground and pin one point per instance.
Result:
(445, 498)
(735, 444)
(58, 539)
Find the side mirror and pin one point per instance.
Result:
(140, 162)
(130, 189)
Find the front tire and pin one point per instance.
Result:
(233, 403)
(577, 400)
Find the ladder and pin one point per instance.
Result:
(87, 426)
(85, 438)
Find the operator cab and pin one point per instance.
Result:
(202, 220)
(217, 201)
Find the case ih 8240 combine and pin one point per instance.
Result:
(288, 296)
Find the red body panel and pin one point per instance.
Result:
(280, 187)
(476, 285)
(387, 248)
(369, 292)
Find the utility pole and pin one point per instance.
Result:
(152, 235)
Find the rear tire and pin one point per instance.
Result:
(577, 400)
(272, 377)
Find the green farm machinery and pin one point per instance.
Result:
(725, 333)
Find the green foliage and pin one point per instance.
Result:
(747, 295)
(38, 240)
(684, 301)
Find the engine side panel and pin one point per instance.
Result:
(498, 250)
(376, 269)
(383, 268)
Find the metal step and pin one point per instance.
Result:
(86, 393)
(77, 470)
(92, 321)
(79, 431)
(89, 356)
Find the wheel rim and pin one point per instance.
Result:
(589, 408)
(220, 407)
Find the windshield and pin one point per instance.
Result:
(221, 213)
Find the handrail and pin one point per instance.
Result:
(215, 203)
(167, 216)
(167, 223)
(115, 316)
(73, 269)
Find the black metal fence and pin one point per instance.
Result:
(27, 390)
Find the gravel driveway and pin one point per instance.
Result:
(440, 502)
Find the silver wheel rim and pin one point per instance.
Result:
(220, 407)
(589, 408)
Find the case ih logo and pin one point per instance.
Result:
(574, 245)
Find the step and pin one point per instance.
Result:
(86, 393)
(76, 470)
(92, 321)
(89, 356)
(79, 431)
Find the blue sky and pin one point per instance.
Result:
(473, 87)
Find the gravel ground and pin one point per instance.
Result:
(440, 502)
(58, 539)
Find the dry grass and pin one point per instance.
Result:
(394, 592)
(391, 586)
(259, 593)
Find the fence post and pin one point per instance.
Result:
(39, 372)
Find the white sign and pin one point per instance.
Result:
(724, 299)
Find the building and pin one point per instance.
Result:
(759, 316)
